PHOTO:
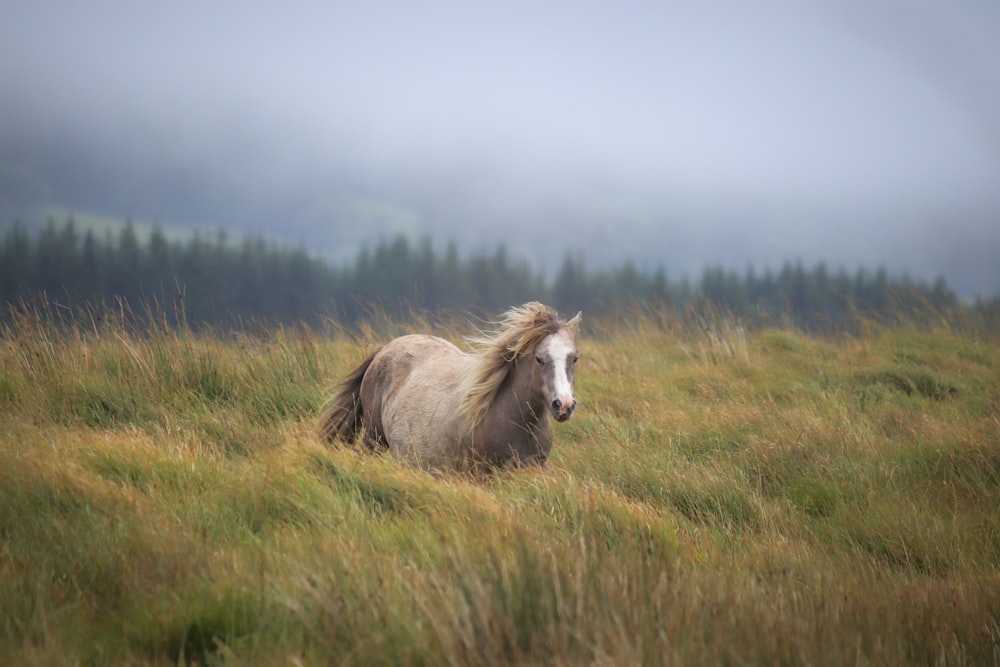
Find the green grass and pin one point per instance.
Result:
(722, 496)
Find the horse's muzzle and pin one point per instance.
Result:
(563, 411)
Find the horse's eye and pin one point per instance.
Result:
(541, 362)
(574, 360)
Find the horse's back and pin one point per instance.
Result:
(410, 394)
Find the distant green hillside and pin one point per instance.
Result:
(104, 226)
(218, 280)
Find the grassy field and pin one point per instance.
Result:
(721, 497)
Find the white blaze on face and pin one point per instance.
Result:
(560, 350)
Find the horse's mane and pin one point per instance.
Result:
(518, 332)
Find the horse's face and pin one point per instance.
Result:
(553, 372)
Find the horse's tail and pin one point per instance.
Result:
(341, 416)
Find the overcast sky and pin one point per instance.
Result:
(739, 131)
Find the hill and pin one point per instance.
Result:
(721, 496)
(216, 282)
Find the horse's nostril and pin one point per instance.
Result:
(557, 405)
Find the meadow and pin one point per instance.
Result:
(723, 495)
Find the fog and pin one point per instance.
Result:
(674, 134)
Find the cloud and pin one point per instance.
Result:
(706, 131)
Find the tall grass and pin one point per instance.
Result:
(723, 496)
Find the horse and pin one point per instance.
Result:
(436, 407)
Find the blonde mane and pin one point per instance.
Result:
(518, 332)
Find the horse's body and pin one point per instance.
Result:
(437, 407)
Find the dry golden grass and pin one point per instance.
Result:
(722, 496)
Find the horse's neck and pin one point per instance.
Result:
(517, 398)
(516, 426)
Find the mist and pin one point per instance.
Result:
(667, 134)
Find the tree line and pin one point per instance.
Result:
(211, 280)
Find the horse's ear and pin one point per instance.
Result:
(574, 324)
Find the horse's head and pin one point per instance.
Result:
(554, 368)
